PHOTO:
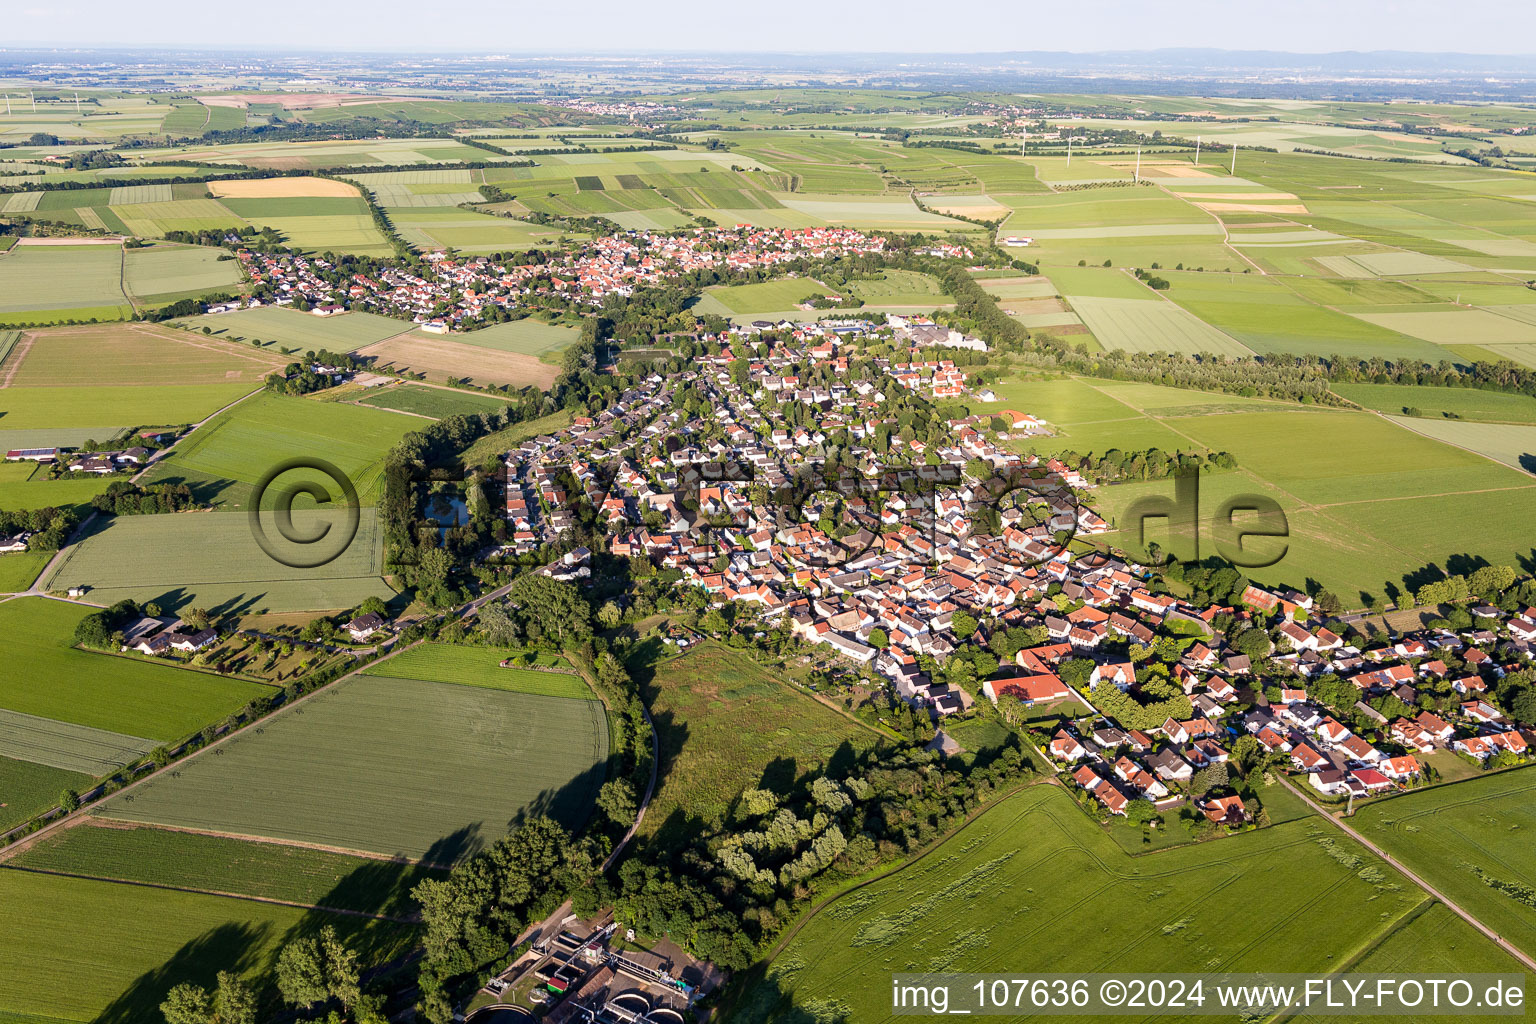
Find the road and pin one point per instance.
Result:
(1460, 912)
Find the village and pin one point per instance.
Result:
(466, 292)
(895, 583)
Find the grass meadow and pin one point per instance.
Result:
(28, 788)
(427, 770)
(163, 273)
(81, 410)
(1466, 403)
(724, 723)
(1032, 873)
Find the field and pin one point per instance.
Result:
(27, 788)
(528, 336)
(49, 283)
(426, 770)
(1467, 403)
(211, 560)
(164, 273)
(480, 666)
(79, 411)
(97, 848)
(107, 952)
(280, 188)
(226, 458)
(429, 401)
(724, 724)
(71, 748)
(1450, 833)
(1038, 860)
(26, 485)
(1510, 443)
(132, 696)
(131, 354)
(767, 297)
(289, 328)
(439, 358)
(1138, 326)
(1365, 500)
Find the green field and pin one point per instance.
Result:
(427, 770)
(1137, 326)
(211, 560)
(725, 723)
(1513, 444)
(51, 679)
(1058, 877)
(190, 860)
(528, 336)
(69, 747)
(27, 788)
(289, 328)
(900, 288)
(481, 666)
(1467, 403)
(79, 281)
(228, 456)
(82, 409)
(25, 485)
(107, 952)
(767, 297)
(437, 403)
(165, 271)
(1444, 833)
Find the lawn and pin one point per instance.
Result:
(496, 445)
(725, 723)
(1448, 834)
(27, 788)
(289, 328)
(134, 354)
(108, 953)
(98, 848)
(426, 770)
(435, 402)
(481, 666)
(228, 456)
(212, 560)
(1077, 903)
(51, 679)
(43, 277)
(27, 485)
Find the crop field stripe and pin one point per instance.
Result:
(74, 748)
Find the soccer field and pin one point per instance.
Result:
(427, 770)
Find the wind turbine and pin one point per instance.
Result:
(1069, 151)
(1233, 170)
(1197, 151)
(77, 103)
(1138, 164)
(7, 104)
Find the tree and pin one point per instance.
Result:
(301, 974)
(879, 639)
(234, 1003)
(617, 800)
(69, 800)
(557, 608)
(342, 979)
(963, 624)
(610, 615)
(1212, 776)
(187, 1004)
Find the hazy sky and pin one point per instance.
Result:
(569, 26)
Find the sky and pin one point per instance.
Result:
(723, 26)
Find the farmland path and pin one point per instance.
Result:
(1465, 915)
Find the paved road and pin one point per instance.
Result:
(1344, 826)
